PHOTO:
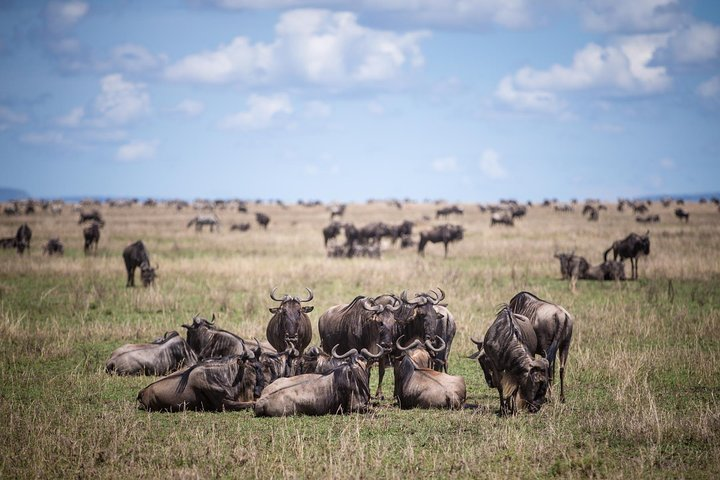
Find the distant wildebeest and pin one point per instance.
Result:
(502, 218)
(648, 219)
(91, 235)
(262, 219)
(54, 247)
(564, 208)
(610, 270)
(290, 322)
(201, 220)
(553, 327)
(344, 389)
(682, 214)
(135, 255)
(362, 323)
(632, 247)
(337, 210)
(331, 232)
(242, 227)
(417, 385)
(93, 216)
(22, 238)
(444, 212)
(442, 234)
(227, 383)
(507, 358)
(354, 250)
(157, 358)
(8, 242)
(572, 266)
(373, 233)
(402, 230)
(592, 213)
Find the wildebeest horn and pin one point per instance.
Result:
(373, 308)
(414, 344)
(334, 354)
(478, 343)
(397, 304)
(414, 301)
(272, 295)
(438, 297)
(365, 353)
(429, 344)
(310, 295)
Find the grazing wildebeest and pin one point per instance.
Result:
(648, 219)
(93, 216)
(91, 235)
(331, 231)
(201, 220)
(506, 356)
(290, 322)
(242, 227)
(22, 238)
(262, 219)
(54, 246)
(419, 386)
(610, 270)
(682, 214)
(136, 255)
(444, 212)
(571, 265)
(444, 233)
(216, 384)
(502, 219)
(630, 247)
(362, 323)
(158, 358)
(553, 327)
(343, 389)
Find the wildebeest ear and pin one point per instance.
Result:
(307, 309)
(274, 309)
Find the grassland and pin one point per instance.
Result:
(643, 378)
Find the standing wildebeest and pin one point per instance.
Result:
(201, 220)
(682, 214)
(630, 247)
(553, 327)
(343, 389)
(331, 231)
(444, 212)
(91, 235)
(290, 323)
(508, 356)
(135, 255)
(262, 219)
(444, 233)
(93, 216)
(22, 238)
(363, 323)
(419, 386)
(227, 383)
(158, 358)
(54, 246)
(502, 218)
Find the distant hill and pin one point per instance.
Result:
(12, 194)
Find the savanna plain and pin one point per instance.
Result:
(642, 382)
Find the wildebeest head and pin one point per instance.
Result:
(484, 364)
(534, 384)
(645, 243)
(423, 354)
(383, 318)
(423, 311)
(147, 274)
(350, 377)
(197, 331)
(290, 313)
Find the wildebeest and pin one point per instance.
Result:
(444, 212)
(402, 231)
(242, 227)
(509, 364)
(200, 221)
(648, 219)
(93, 216)
(592, 213)
(54, 247)
(262, 219)
(681, 214)
(276, 365)
(553, 327)
(419, 386)
(157, 358)
(331, 231)
(571, 265)
(610, 270)
(227, 383)
(361, 324)
(207, 340)
(630, 247)
(444, 233)
(135, 255)
(91, 235)
(337, 210)
(343, 389)
(22, 238)
(502, 219)
(8, 242)
(290, 322)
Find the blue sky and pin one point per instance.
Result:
(466, 100)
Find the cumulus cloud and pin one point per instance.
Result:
(695, 43)
(190, 108)
(533, 100)
(316, 46)
(710, 89)
(445, 164)
(61, 16)
(262, 112)
(9, 117)
(72, 118)
(137, 150)
(490, 164)
(121, 101)
(631, 16)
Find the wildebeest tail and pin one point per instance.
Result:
(552, 349)
(606, 252)
(184, 379)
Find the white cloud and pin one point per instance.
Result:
(631, 15)
(445, 164)
(695, 43)
(61, 16)
(316, 46)
(73, 117)
(137, 150)
(709, 88)
(537, 101)
(667, 163)
(262, 112)
(121, 101)
(131, 57)
(317, 109)
(191, 108)
(490, 164)
(9, 117)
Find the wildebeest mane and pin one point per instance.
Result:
(220, 341)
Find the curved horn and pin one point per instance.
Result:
(365, 353)
(397, 305)
(334, 354)
(414, 301)
(429, 344)
(272, 295)
(438, 297)
(478, 343)
(310, 295)
(414, 344)
(373, 308)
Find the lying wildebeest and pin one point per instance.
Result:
(262, 220)
(572, 266)
(610, 270)
(331, 232)
(344, 389)
(444, 212)
(242, 227)
(158, 358)
(227, 383)
(314, 360)
(553, 327)
(135, 255)
(419, 386)
(8, 242)
(361, 324)
(632, 247)
(201, 220)
(290, 322)
(54, 247)
(208, 341)
(682, 214)
(509, 364)
(93, 216)
(22, 238)
(276, 365)
(502, 219)
(442, 234)
(91, 235)
(648, 219)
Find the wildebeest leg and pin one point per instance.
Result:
(381, 374)
(131, 277)
(446, 245)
